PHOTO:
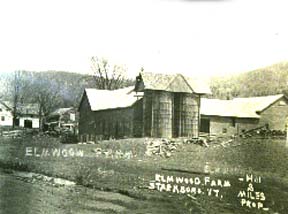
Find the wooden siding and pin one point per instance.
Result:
(157, 113)
(275, 115)
(138, 118)
(105, 124)
(168, 114)
(186, 115)
(229, 126)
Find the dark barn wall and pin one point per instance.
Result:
(138, 118)
(85, 118)
(114, 123)
(110, 123)
(275, 115)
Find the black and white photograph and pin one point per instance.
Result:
(144, 107)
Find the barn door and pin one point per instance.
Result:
(205, 125)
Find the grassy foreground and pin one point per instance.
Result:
(131, 172)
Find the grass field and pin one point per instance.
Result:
(131, 175)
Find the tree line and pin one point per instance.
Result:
(261, 82)
(54, 89)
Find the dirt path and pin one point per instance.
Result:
(23, 195)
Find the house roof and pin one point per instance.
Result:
(61, 111)
(6, 104)
(110, 99)
(174, 83)
(30, 108)
(238, 107)
(22, 108)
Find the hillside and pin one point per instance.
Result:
(260, 82)
(65, 87)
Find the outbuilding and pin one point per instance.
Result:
(238, 115)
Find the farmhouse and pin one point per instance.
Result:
(27, 115)
(159, 105)
(6, 117)
(229, 117)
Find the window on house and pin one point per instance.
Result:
(2, 118)
(224, 130)
(0, 109)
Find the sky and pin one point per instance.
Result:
(200, 37)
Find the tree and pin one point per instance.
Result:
(18, 91)
(46, 93)
(107, 76)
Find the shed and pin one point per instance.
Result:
(241, 114)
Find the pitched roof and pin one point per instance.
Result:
(110, 99)
(61, 111)
(29, 108)
(6, 104)
(174, 83)
(238, 107)
(23, 108)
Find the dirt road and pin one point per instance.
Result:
(20, 195)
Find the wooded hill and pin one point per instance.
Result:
(63, 89)
(264, 81)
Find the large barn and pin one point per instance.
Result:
(159, 105)
(238, 115)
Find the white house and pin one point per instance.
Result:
(27, 115)
(6, 117)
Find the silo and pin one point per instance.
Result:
(162, 108)
(189, 115)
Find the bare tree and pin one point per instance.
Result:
(107, 76)
(18, 91)
(47, 95)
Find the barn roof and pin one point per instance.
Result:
(174, 83)
(238, 107)
(110, 99)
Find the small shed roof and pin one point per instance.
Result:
(61, 111)
(110, 99)
(173, 83)
(249, 107)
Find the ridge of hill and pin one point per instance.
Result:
(269, 80)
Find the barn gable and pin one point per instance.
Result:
(171, 83)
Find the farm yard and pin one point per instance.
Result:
(128, 168)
